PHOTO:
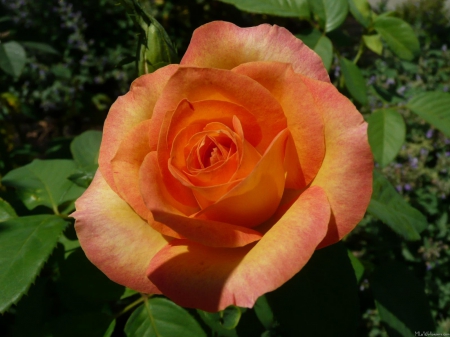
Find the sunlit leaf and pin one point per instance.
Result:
(373, 42)
(331, 13)
(354, 81)
(434, 107)
(401, 301)
(361, 11)
(44, 182)
(12, 58)
(320, 44)
(289, 8)
(161, 317)
(26, 243)
(388, 206)
(386, 133)
(399, 36)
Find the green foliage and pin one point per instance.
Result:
(361, 11)
(6, 211)
(44, 183)
(399, 36)
(12, 58)
(331, 13)
(387, 205)
(434, 108)
(26, 244)
(354, 81)
(161, 317)
(386, 135)
(289, 8)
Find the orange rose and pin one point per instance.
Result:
(219, 177)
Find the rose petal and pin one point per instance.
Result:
(224, 45)
(127, 111)
(346, 172)
(304, 118)
(126, 165)
(208, 91)
(214, 278)
(114, 237)
(208, 233)
(154, 192)
(257, 197)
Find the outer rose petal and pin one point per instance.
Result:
(214, 278)
(128, 111)
(207, 232)
(346, 172)
(126, 165)
(224, 45)
(304, 118)
(257, 197)
(114, 237)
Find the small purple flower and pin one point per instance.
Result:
(390, 81)
(337, 71)
(407, 187)
(429, 133)
(444, 48)
(445, 88)
(371, 80)
(399, 188)
(413, 162)
(447, 153)
(401, 90)
(423, 152)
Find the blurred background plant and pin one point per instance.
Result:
(62, 64)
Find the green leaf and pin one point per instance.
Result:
(214, 321)
(357, 266)
(373, 42)
(42, 47)
(83, 177)
(322, 297)
(12, 58)
(288, 8)
(399, 36)
(401, 301)
(110, 330)
(6, 211)
(81, 279)
(361, 11)
(331, 13)
(26, 244)
(388, 206)
(230, 317)
(161, 317)
(264, 312)
(320, 44)
(434, 107)
(386, 133)
(85, 148)
(354, 80)
(44, 182)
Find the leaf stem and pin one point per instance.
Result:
(132, 305)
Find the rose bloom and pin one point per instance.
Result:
(219, 177)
